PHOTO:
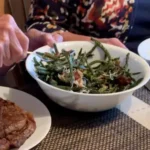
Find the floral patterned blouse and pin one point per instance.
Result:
(97, 18)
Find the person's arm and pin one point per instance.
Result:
(68, 36)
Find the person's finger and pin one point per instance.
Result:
(6, 50)
(4, 38)
(7, 62)
(57, 37)
(16, 50)
(23, 40)
(48, 39)
(1, 54)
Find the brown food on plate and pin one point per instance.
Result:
(4, 144)
(16, 125)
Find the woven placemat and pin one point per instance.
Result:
(108, 130)
(143, 94)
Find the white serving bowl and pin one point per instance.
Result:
(144, 50)
(90, 102)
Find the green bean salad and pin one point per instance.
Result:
(69, 72)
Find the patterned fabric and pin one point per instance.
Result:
(98, 18)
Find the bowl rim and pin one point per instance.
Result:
(143, 82)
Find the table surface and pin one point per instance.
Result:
(108, 130)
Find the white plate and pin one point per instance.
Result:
(31, 104)
(144, 51)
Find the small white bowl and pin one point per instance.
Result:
(90, 102)
(144, 50)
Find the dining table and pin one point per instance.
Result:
(72, 130)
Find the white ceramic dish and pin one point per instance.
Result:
(144, 50)
(90, 102)
(31, 104)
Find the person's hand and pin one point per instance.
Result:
(13, 42)
(38, 38)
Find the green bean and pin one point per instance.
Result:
(113, 89)
(41, 64)
(56, 49)
(36, 63)
(95, 62)
(130, 75)
(107, 55)
(62, 58)
(41, 68)
(64, 62)
(64, 87)
(88, 66)
(80, 53)
(94, 91)
(50, 56)
(53, 82)
(127, 60)
(103, 89)
(43, 72)
(136, 73)
(91, 51)
(136, 83)
(47, 78)
(39, 53)
(96, 67)
(69, 58)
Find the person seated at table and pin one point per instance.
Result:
(107, 20)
